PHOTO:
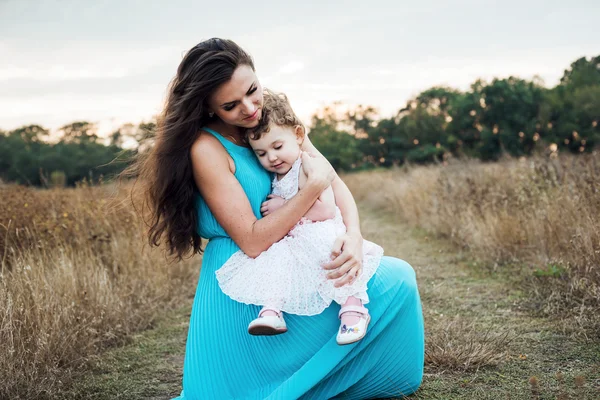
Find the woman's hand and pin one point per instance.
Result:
(317, 169)
(347, 259)
(269, 206)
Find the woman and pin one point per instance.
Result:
(210, 185)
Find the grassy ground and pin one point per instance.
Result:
(481, 342)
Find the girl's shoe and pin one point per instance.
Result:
(268, 324)
(354, 333)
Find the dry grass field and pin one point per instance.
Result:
(538, 218)
(507, 256)
(75, 277)
(480, 342)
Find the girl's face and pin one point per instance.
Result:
(278, 149)
(239, 101)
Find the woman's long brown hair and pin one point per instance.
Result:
(164, 172)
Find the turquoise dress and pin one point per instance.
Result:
(222, 361)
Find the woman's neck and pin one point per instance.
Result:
(235, 134)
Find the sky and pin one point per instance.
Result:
(110, 61)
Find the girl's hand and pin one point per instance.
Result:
(317, 170)
(271, 205)
(347, 260)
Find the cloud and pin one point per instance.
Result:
(76, 60)
(54, 110)
(291, 67)
(63, 72)
(115, 58)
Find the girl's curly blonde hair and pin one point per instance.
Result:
(276, 111)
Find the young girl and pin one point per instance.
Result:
(289, 275)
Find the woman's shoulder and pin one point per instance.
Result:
(207, 142)
(207, 150)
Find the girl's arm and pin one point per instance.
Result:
(347, 250)
(324, 207)
(214, 177)
(322, 210)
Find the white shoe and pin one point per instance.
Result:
(354, 333)
(268, 325)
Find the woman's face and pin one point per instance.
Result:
(239, 101)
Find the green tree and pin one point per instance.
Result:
(27, 158)
(339, 147)
(582, 73)
(570, 114)
(78, 132)
(510, 108)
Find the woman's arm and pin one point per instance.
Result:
(347, 250)
(229, 204)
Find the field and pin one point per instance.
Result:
(537, 217)
(507, 256)
(76, 277)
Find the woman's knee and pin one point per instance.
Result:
(402, 272)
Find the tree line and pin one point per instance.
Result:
(507, 116)
(32, 155)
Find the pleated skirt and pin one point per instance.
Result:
(222, 361)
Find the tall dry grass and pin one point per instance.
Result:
(75, 277)
(542, 214)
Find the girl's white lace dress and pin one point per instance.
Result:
(288, 275)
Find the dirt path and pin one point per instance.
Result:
(480, 343)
